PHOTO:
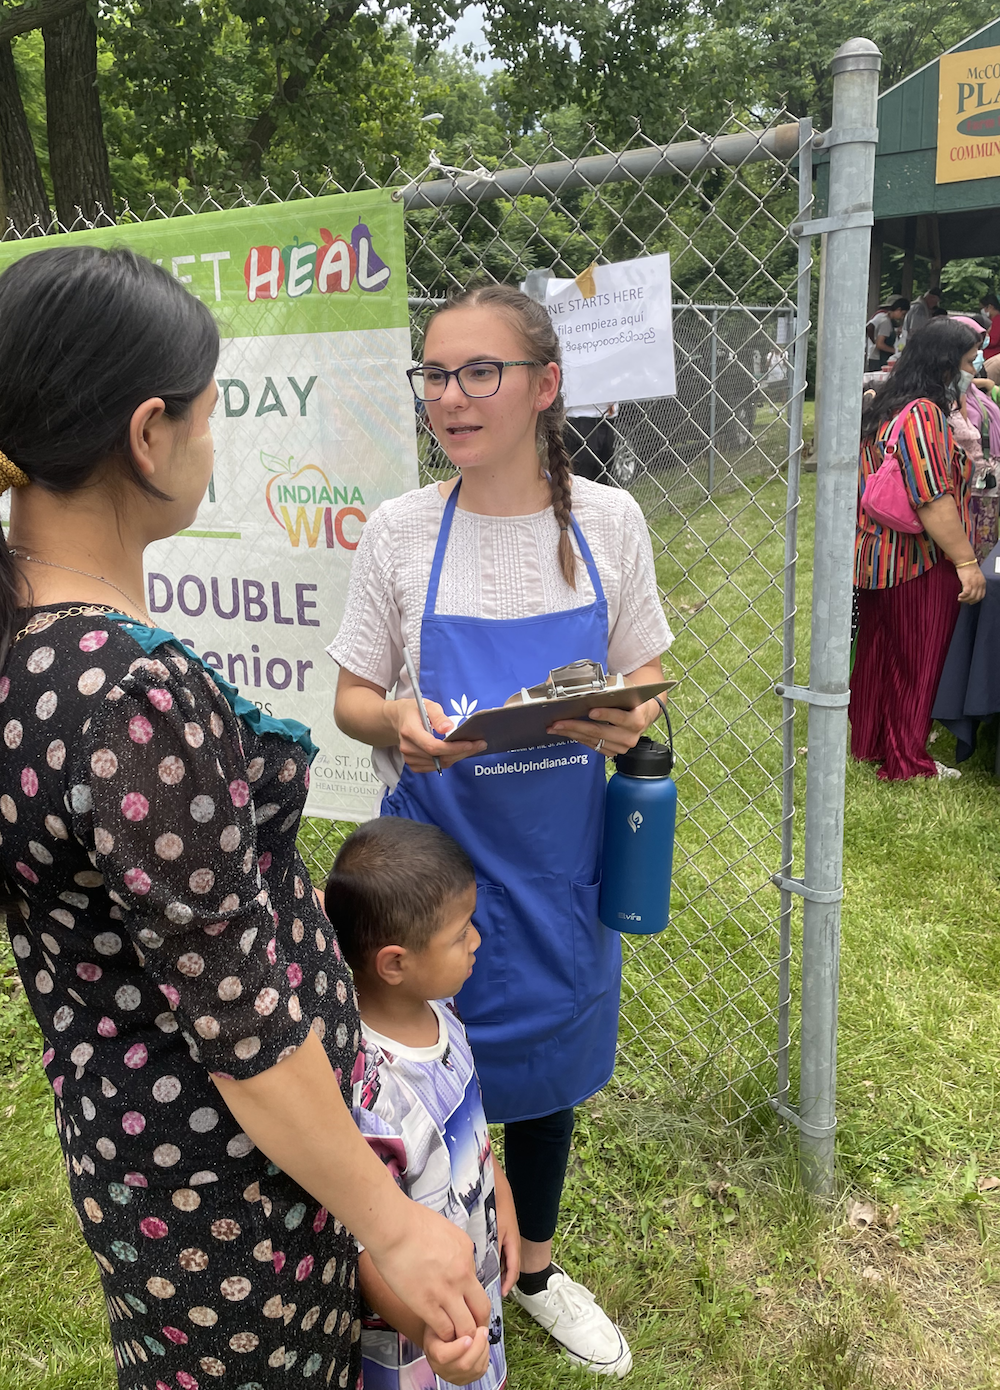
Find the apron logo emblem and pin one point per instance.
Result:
(463, 708)
(635, 820)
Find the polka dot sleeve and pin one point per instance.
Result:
(161, 798)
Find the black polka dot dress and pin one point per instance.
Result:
(167, 930)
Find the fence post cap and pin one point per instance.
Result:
(856, 54)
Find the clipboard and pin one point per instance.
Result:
(570, 692)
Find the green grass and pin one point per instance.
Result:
(693, 1232)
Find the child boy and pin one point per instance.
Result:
(401, 896)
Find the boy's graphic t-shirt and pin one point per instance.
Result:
(421, 1110)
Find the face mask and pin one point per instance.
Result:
(979, 363)
(957, 389)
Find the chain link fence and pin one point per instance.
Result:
(705, 1005)
(715, 470)
(704, 1009)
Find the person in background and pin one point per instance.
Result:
(590, 439)
(881, 331)
(909, 585)
(921, 312)
(975, 422)
(990, 305)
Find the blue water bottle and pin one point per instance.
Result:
(639, 817)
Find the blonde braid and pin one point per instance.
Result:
(560, 473)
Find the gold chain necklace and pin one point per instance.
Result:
(42, 621)
(51, 564)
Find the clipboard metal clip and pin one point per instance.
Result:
(578, 678)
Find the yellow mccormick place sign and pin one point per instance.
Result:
(968, 140)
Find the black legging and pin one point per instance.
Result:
(536, 1153)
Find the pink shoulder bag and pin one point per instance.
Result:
(885, 498)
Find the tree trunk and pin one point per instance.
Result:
(22, 190)
(78, 157)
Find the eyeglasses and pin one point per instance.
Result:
(476, 379)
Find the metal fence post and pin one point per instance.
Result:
(798, 339)
(846, 232)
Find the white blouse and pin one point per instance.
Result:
(494, 567)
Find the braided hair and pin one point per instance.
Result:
(532, 321)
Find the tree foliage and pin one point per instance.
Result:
(661, 59)
(612, 61)
(766, 54)
(227, 93)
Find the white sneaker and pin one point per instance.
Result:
(570, 1314)
(946, 773)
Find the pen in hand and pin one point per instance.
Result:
(411, 671)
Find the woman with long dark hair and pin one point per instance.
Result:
(200, 1026)
(909, 585)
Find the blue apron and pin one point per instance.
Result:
(541, 1005)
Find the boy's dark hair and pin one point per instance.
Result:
(991, 300)
(389, 886)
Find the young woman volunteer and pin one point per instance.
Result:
(198, 1019)
(491, 580)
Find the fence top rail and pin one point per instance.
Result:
(687, 157)
(422, 301)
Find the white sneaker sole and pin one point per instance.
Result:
(619, 1368)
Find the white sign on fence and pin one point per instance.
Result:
(617, 345)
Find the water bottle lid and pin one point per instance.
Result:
(647, 759)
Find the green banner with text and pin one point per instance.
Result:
(314, 428)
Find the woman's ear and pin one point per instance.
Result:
(147, 436)
(548, 381)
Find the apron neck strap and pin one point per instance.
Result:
(430, 603)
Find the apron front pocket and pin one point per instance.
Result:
(483, 997)
(596, 950)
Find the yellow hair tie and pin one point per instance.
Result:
(10, 474)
